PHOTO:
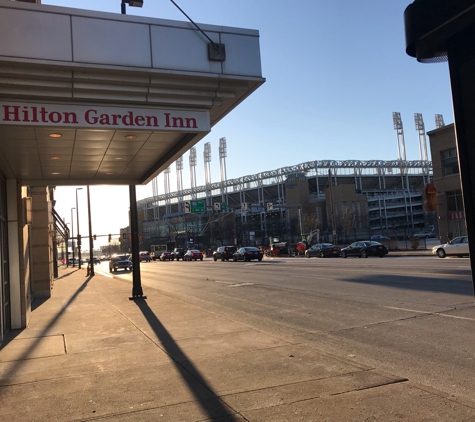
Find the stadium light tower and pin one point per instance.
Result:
(179, 179)
(422, 135)
(193, 171)
(207, 158)
(223, 153)
(439, 121)
(401, 147)
(166, 182)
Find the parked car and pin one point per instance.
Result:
(379, 237)
(364, 249)
(145, 256)
(224, 253)
(95, 260)
(425, 235)
(193, 254)
(457, 246)
(178, 253)
(323, 250)
(248, 253)
(119, 261)
(166, 256)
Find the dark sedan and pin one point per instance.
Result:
(118, 262)
(364, 249)
(166, 256)
(323, 250)
(247, 254)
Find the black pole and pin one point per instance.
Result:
(461, 55)
(137, 292)
(67, 248)
(122, 7)
(72, 235)
(77, 225)
(91, 240)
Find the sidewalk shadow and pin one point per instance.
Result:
(214, 406)
(419, 283)
(40, 300)
(17, 365)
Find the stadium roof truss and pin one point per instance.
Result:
(356, 169)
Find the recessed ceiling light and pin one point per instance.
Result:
(55, 157)
(55, 135)
(117, 158)
(55, 173)
(109, 172)
(130, 137)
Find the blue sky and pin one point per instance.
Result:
(335, 71)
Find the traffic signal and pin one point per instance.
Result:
(94, 237)
(110, 238)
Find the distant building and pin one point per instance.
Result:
(450, 211)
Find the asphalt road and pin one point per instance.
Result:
(413, 317)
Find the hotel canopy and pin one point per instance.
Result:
(100, 98)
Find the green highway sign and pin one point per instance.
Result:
(195, 206)
(198, 206)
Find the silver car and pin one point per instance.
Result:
(457, 247)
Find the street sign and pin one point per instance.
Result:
(270, 206)
(244, 206)
(219, 206)
(187, 207)
(197, 206)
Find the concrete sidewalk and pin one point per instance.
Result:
(90, 353)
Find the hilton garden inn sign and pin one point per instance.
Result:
(28, 114)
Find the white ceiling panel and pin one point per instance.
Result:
(94, 135)
(15, 144)
(9, 132)
(55, 143)
(91, 144)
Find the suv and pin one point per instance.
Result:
(145, 256)
(178, 253)
(224, 253)
(120, 261)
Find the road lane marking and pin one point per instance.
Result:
(430, 313)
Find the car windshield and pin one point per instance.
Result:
(121, 257)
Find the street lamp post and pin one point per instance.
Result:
(67, 245)
(77, 225)
(72, 234)
(91, 243)
(133, 3)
